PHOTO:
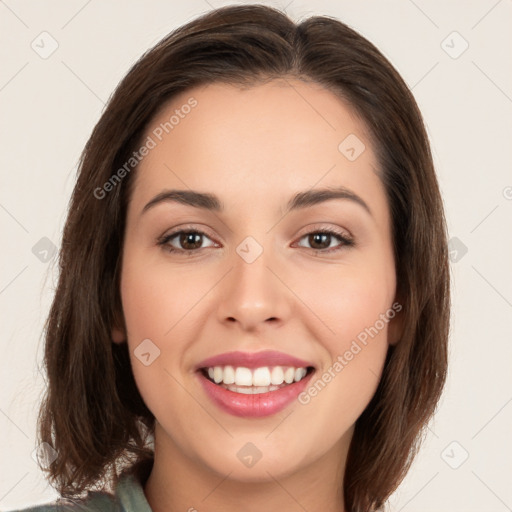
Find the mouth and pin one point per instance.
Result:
(254, 393)
(255, 381)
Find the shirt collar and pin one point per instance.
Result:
(130, 488)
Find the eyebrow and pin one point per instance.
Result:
(211, 202)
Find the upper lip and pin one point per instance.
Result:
(253, 360)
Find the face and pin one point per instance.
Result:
(315, 281)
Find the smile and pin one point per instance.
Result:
(259, 392)
(256, 380)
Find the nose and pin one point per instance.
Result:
(253, 295)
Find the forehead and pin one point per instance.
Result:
(265, 141)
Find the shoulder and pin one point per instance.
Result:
(95, 502)
(129, 496)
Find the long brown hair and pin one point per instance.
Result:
(92, 413)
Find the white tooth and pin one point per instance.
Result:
(245, 391)
(243, 376)
(217, 374)
(229, 375)
(277, 375)
(252, 390)
(261, 377)
(249, 391)
(289, 374)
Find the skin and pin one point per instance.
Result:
(255, 148)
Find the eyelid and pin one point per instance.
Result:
(344, 236)
(163, 241)
(189, 227)
(323, 227)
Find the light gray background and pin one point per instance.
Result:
(49, 107)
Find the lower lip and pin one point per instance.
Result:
(253, 406)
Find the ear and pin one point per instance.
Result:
(118, 333)
(396, 324)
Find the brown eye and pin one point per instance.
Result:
(185, 240)
(321, 240)
(190, 240)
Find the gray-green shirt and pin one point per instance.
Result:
(128, 497)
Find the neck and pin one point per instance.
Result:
(180, 482)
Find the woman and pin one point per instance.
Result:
(253, 305)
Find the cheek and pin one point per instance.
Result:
(145, 305)
(347, 300)
(156, 297)
(355, 309)
(155, 306)
(152, 305)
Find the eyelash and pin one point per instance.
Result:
(346, 241)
